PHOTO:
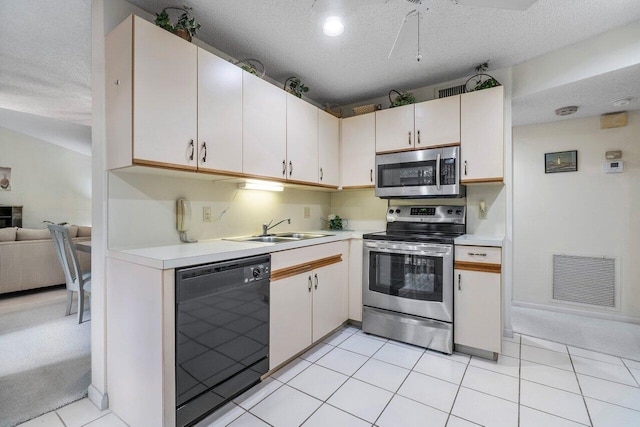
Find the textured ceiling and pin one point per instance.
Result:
(592, 96)
(286, 36)
(45, 65)
(45, 45)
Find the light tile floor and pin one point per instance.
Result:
(353, 379)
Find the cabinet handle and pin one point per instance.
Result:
(371, 175)
(476, 254)
(284, 168)
(465, 167)
(418, 137)
(117, 83)
(459, 280)
(290, 168)
(315, 276)
(321, 174)
(309, 283)
(204, 154)
(193, 149)
(409, 137)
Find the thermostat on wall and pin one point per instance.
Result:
(613, 166)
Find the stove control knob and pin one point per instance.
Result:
(397, 211)
(256, 273)
(458, 212)
(450, 211)
(390, 211)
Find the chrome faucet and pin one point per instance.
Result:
(267, 227)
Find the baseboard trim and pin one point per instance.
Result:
(587, 313)
(101, 400)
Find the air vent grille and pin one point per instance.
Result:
(585, 280)
(451, 91)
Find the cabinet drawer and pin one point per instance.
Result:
(292, 257)
(482, 254)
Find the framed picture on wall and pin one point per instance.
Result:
(561, 161)
(5, 179)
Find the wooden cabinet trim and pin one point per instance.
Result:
(358, 187)
(305, 267)
(153, 164)
(478, 266)
(481, 180)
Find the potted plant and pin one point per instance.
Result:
(403, 98)
(294, 86)
(186, 26)
(252, 66)
(481, 80)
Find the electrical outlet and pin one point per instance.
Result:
(482, 210)
(307, 212)
(206, 214)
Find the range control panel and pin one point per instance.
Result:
(452, 214)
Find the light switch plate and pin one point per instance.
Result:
(206, 214)
(307, 212)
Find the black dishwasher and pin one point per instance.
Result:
(222, 333)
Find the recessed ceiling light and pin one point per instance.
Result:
(333, 26)
(621, 102)
(565, 111)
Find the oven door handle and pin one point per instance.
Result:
(438, 254)
(438, 171)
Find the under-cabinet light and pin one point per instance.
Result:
(264, 186)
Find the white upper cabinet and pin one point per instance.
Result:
(264, 149)
(437, 122)
(358, 151)
(395, 129)
(302, 140)
(328, 149)
(219, 114)
(165, 91)
(482, 135)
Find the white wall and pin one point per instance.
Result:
(584, 213)
(142, 209)
(51, 182)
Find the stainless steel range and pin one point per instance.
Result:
(408, 276)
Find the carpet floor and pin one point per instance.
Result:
(45, 356)
(604, 336)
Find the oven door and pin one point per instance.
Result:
(420, 173)
(411, 278)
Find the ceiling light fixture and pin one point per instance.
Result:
(333, 26)
(621, 102)
(264, 186)
(566, 111)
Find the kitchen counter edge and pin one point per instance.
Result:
(480, 240)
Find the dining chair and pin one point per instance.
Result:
(77, 281)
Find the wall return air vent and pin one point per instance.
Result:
(585, 280)
(451, 91)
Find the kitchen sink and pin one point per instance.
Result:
(301, 236)
(277, 238)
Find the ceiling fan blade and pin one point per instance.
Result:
(499, 4)
(404, 20)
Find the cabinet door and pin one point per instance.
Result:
(358, 151)
(289, 318)
(165, 93)
(438, 122)
(329, 298)
(477, 310)
(219, 114)
(394, 129)
(328, 149)
(302, 140)
(264, 145)
(482, 135)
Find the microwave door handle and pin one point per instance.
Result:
(438, 171)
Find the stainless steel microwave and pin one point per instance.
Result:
(429, 173)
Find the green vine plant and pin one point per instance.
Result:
(294, 86)
(185, 21)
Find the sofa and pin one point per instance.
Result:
(28, 259)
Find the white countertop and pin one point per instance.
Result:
(480, 240)
(206, 251)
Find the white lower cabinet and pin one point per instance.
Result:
(355, 280)
(477, 303)
(310, 300)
